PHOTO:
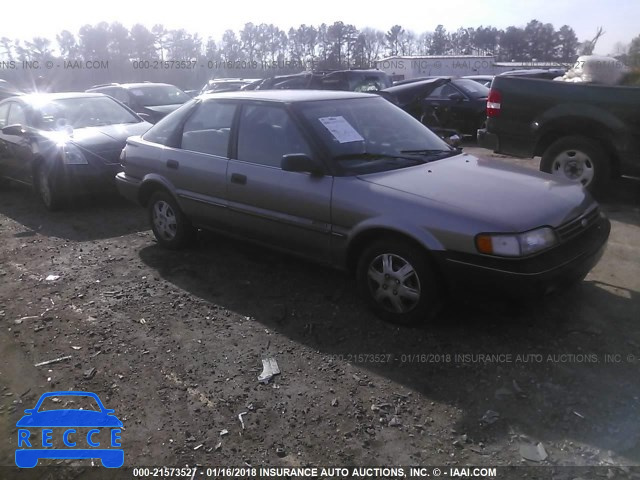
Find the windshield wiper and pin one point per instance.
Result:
(425, 151)
(432, 154)
(375, 156)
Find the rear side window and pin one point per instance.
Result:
(267, 133)
(167, 131)
(208, 129)
(443, 91)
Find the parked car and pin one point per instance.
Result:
(543, 73)
(481, 79)
(151, 101)
(64, 143)
(410, 97)
(458, 103)
(226, 84)
(352, 181)
(584, 133)
(417, 79)
(356, 80)
(346, 80)
(8, 90)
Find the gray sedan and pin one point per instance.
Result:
(350, 180)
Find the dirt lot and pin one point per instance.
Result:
(176, 341)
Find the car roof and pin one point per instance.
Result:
(287, 96)
(31, 98)
(143, 84)
(128, 85)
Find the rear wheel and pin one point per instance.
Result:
(399, 282)
(170, 226)
(580, 160)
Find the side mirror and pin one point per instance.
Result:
(29, 411)
(14, 130)
(456, 97)
(299, 162)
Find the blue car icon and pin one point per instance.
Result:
(68, 420)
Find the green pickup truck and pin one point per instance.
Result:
(584, 132)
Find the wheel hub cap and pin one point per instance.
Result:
(574, 165)
(164, 219)
(394, 283)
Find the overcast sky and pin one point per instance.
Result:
(29, 18)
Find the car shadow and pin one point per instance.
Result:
(87, 217)
(554, 371)
(621, 202)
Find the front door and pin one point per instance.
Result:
(288, 210)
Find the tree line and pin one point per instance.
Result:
(339, 45)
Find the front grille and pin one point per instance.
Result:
(577, 225)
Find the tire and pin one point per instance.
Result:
(171, 227)
(48, 187)
(579, 159)
(414, 299)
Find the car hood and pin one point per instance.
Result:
(69, 418)
(517, 198)
(105, 141)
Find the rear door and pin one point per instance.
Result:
(197, 167)
(288, 210)
(449, 112)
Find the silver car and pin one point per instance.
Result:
(350, 180)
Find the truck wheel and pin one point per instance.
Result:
(578, 159)
(170, 226)
(399, 282)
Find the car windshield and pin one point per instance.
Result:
(81, 112)
(156, 95)
(367, 135)
(472, 88)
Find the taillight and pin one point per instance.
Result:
(493, 103)
(123, 157)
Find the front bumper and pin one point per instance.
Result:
(128, 187)
(528, 277)
(89, 178)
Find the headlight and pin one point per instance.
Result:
(72, 155)
(516, 245)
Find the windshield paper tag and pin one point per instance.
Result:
(341, 130)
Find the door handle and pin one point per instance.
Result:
(238, 178)
(173, 164)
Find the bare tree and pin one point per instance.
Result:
(589, 46)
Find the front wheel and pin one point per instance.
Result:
(580, 160)
(170, 226)
(48, 187)
(399, 282)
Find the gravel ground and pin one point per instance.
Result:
(174, 343)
